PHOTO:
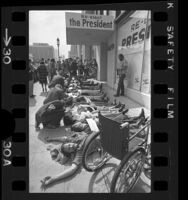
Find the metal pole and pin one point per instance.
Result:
(58, 51)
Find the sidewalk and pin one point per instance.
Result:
(41, 165)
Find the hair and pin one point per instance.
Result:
(65, 153)
(59, 86)
(68, 120)
(121, 57)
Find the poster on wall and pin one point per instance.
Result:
(131, 37)
(137, 81)
(145, 83)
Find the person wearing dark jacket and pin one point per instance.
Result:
(57, 79)
(43, 73)
(31, 79)
(51, 113)
(52, 69)
(55, 93)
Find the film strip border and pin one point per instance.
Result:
(16, 111)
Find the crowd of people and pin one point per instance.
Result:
(44, 70)
(73, 95)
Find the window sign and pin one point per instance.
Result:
(133, 42)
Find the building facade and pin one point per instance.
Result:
(130, 36)
(41, 50)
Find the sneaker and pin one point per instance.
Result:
(122, 107)
(119, 105)
(142, 114)
(32, 96)
(125, 111)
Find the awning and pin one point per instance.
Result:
(88, 29)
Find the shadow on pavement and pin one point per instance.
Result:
(32, 102)
(45, 134)
(103, 174)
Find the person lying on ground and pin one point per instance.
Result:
(51, 113)
(70, 149)
(55, 93)
(76, 119)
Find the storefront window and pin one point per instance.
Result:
(134, 43)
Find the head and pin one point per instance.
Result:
(121, 57)
(58, 86)
(53, 60)
(58, 156)
(42, 63)
(68, 148)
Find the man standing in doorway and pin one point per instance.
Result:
(122, 72)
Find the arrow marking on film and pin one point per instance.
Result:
(6, 39)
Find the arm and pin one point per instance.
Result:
(68, 172)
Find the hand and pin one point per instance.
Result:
(45, 182)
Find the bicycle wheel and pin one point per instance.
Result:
(94, 155)
(128, 171)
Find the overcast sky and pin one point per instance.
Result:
(47, 26)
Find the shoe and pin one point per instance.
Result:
(119, 105)
(142, 114)
(32, 96)
(121, 109)
(116, 95)
(125, 111)
(141, 121)
(114, 103)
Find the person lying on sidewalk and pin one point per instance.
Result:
(55, 93)
(70, 149)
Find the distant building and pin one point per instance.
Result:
(41, 50)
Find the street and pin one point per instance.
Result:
(41, 164)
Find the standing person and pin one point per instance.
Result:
(74, 68)
(31, 79)
(42, 71)
(66, 68)
(80, 68)
(48, 69)
(52, 69)
(122, 74)
(94, 69)
(86, 68)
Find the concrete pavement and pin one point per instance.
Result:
(41, 164)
